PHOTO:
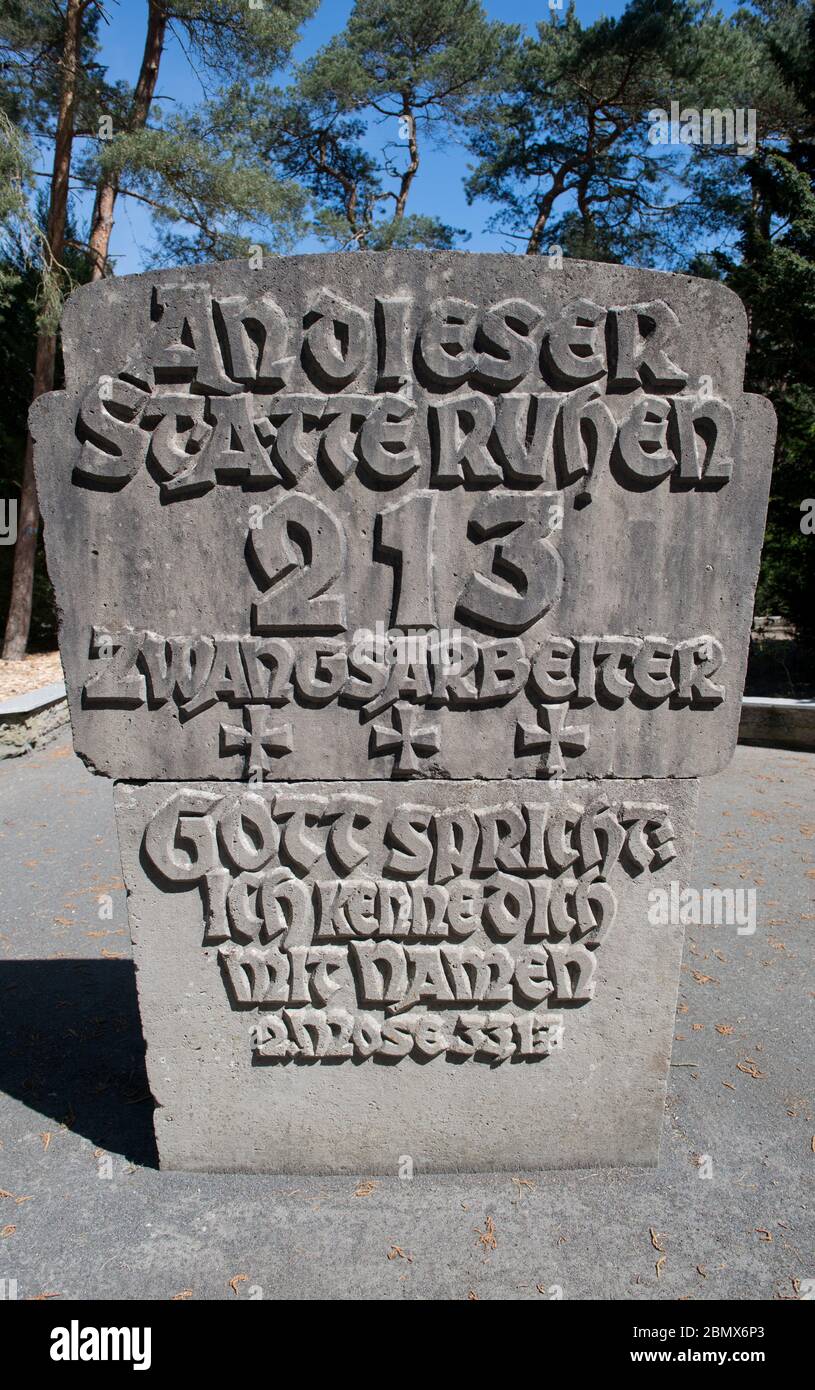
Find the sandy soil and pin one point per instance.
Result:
(19, 677)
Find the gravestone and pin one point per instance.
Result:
(406, 597)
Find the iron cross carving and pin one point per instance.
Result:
(407, 738)
(552, 738)
(256, 741)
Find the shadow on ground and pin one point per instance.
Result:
(71, 1048)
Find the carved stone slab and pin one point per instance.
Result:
(404, 516)
(336, 977)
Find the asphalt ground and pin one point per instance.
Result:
(85, 1213)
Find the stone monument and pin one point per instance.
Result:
(406, 597)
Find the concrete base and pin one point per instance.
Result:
(790, 723)
(29, 721)
(240, 1075)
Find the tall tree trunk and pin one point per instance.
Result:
(413, 165)
(25, 552)
(108, 188)
(547, 202)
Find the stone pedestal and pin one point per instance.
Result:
(406, 597)
(332, 979)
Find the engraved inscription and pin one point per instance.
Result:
(357, 927)
(201, 405)
(427, 464)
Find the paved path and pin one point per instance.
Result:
(91, 1217)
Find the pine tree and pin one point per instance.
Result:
(562, 141)
(769, 202)
(402, 73)
(61, 67)
(225, 35)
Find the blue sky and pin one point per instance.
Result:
(435, 191)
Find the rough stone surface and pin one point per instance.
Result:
(250, 980)
(348, 522)
(381, 469)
